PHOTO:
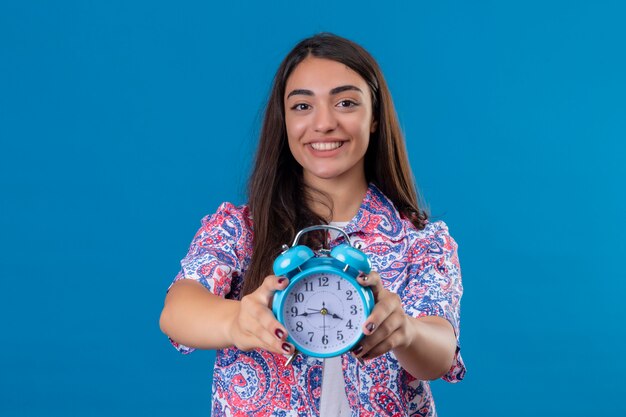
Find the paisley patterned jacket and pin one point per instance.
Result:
(421, 266)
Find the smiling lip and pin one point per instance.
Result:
(326, 146)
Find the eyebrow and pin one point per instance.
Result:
(333, 92)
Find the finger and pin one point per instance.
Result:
(386, 318)
(272, 333)
(387, 329)
(255, 310)
(268, 341)
(271, 341)
(387, 304)
(373, 281)
(266, 330)
(271, 284)
(384, 346)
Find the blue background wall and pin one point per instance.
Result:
(123, 123)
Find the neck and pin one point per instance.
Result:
(346, 195)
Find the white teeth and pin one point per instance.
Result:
(325, 146)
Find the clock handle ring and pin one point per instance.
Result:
(321, 227)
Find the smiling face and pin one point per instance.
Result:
(328, 116)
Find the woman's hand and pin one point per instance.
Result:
(254, 324)
(388, 327)
(424, 346)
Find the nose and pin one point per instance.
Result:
(324, 119)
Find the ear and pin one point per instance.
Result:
(374, 126)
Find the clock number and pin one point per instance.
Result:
(325, 339)
(353, 309)
(298, 296)
(349, 324)
(339, 285)
(349, 293)
(339, 335)
(311, 334)
(323, 281)
(308, 286)
(298, 326)
(294, 311)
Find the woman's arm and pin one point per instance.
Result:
(424, 346)
(197, 318)
(429, 353)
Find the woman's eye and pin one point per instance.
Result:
(301, 106)
(347, 103)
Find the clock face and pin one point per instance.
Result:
(324, 313)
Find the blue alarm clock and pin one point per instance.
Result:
(324, 307)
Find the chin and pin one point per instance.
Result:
(325, 174)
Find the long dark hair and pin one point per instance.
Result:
(277, 196)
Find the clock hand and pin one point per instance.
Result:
(325, 311)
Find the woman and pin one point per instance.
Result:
(330, 151)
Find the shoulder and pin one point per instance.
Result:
(433, 240)
(228, 219)
(228, 211)
(432, 230)
(378, 218)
